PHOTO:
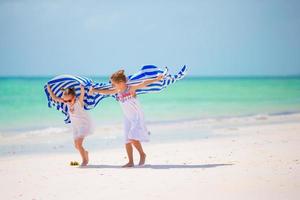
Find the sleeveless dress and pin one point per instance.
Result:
(80, 121)
(134, 122)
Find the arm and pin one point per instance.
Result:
(101, 91)
(81, 97)
(147, 82)
(53, 96)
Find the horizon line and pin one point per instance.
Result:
(187, 76)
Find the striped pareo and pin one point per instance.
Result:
(91, 101)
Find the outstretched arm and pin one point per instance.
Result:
(81, 97)
(101, 91)
(147, 82)
(53, 96)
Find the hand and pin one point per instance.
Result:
(48, 87)
(91, 91)
(160, 77)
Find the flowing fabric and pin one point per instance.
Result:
(91, 101)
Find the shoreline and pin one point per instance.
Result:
(107, 124)
(8, 131)
(59, 140)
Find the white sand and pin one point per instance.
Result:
(260, 161)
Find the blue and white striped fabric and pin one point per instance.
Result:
(91, 101)
(151, 71)
(67, 81)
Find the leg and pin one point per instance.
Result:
(129, 154)
(84, 154)
(137, 144)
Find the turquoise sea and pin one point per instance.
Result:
(23, 104)
(193, 108)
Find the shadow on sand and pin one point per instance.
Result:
(166, 166)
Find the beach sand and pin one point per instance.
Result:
(257, 161)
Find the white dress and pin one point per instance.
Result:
(80, 120)
(134, 122)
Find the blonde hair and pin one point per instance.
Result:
(118, 76)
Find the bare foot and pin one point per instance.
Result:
(128, 165)
(86, 160)
(142, 159)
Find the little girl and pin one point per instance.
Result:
(80, 119)
(134, 124)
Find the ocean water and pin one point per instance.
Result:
(23, 104)
(193, 108)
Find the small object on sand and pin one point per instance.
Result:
(74, 163)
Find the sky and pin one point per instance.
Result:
(96, 38)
